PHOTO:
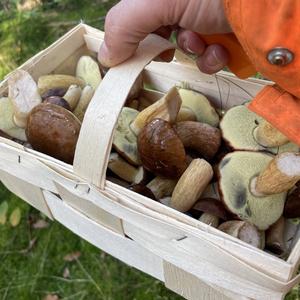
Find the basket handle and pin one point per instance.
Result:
(96, 134)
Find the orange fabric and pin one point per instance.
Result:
(260, 26)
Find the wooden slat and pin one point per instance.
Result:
(114, 244)
(28, 192)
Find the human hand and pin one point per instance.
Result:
(130, 21)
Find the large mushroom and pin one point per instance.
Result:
(239, 131)
(53, 130)
(253, 185)
(160, 149)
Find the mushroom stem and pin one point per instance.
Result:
(281, 174)
(166, 109)
(191, 185)
(274, 238)
(268, 136)
(209, 219)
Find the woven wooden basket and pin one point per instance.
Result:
(192, 258)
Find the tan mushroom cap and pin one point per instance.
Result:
(200, 105)
(238, 126)
(236, 171)
(125, 141)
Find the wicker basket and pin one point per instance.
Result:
(192, 258)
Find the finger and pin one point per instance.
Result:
(190, 42)
(214, 59)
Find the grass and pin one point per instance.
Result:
(32, 263)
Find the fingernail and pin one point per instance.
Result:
(103, 55)
(187, 48)
(213, 59)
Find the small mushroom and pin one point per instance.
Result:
(201, 137)
(125, 141)
(210, 211)
(72, 95)
(88, 70)
(162, 187)
(7, 124)
(292, 205)
(161, 150)
(54, 81)
(200, 106)
(23, 92)
(244, 231)
(236, 172)
(124, 170)
(58, 101)
(238, 128)
(84, 101)
(191, 185)
(143, 190)
(53, 130)
(274, 238)
(268, 136)
(166, 109)
(58, 92)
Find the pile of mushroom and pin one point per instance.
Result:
(234, 172)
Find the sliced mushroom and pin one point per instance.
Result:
(238, 126)
(200, 106)
(161, 150)
(162, 187)
(88, 70)
(245, 232)
(55, 81)
(274, 238)
(124, 170)
(268, 136)
(72, 95)
(191, 185)
(280, 175)
(84, 101)
(236, 171)
(53, 130)
(125, 141)
(7, 124)
(58, 101)
(201, 137)
(292, 205)
(166, 109)
(23, 92)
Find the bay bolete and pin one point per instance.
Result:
(58, 101)
(162, 187)
(238, 129)
(53, 130)
(161, 150)
(84, 101)
(72, 95)
(244, 231)
(201, 137)
(236, 172)
(200, 106)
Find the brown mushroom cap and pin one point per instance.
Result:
(54, 92)
(212, 206)
(161, 150)
(53, 130)
(58, 101)
(203, 138)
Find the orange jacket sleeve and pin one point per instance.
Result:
(263, 27)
